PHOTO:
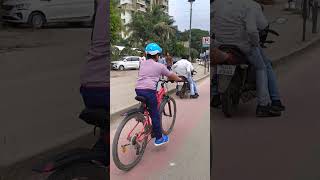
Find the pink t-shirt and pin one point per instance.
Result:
(150, 73)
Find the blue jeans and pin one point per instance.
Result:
(266, 83)
(151, 98)
(193, 86)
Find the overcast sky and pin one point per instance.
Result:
(180, 10)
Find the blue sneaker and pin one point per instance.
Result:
(161, 141)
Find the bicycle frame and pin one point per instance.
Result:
(147, 123)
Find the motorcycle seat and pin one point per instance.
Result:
(238, 56)
(184, 79)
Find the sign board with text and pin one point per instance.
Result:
(205, 41)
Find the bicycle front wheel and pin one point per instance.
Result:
(127, 150)
(168, 113)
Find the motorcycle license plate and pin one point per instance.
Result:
(226, 69)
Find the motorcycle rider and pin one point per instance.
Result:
(237, 22)
(185, 68)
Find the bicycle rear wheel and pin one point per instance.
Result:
(168, 113)
(120, 144)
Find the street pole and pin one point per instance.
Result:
(191, 1)
(304, 14)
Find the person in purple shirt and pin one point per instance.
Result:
(149, 75)
(95, 76)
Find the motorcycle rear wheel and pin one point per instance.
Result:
(229, 102)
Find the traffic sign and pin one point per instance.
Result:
(205, 41)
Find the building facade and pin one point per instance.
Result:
(128, 7)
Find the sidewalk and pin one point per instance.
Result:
(290, 39)
(123, 84)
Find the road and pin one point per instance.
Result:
(186, 156)
(281, 148)
(39, 74)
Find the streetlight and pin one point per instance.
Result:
(190, 1)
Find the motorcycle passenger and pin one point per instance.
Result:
(184, 68)
(95, 77)
(237, 22)
(262, 24)
(146, 86)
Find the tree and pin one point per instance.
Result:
(115, 54)
(115, 22)
(127, 51)
(196, 38)
(152, 26)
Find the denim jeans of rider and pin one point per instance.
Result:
(193, 86)
(265, 77)
(151, 98)
(214, 82)
(272, 81)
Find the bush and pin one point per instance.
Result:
(129, 52)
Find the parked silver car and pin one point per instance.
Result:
(127, 62)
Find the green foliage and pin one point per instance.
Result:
(196, 37)
(115, 22)
(152, 26)
(127, 51)
(115, 54)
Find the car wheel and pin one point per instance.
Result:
(37, 20)
(121, 68)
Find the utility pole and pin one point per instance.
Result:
(191, 1)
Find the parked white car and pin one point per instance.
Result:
(127, 62)
(39, 12)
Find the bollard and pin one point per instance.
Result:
(315, 17)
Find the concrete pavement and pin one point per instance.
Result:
(281, 148)
(186, 156)
(290, 39)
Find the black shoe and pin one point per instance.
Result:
(193, 96)
(216, 101)
(278, 105)
(267, 111)
(197, 94)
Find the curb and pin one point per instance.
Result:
(282, 59)
(122, 111)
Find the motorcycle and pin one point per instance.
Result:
(235, 76)
(183, 87)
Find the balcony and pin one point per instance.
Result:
(142, 9)
(142, 2)
(128, 7)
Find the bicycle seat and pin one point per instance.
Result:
(141, 99)
(96, 117)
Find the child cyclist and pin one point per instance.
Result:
(149, 75)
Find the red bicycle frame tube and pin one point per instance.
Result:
(160, 94)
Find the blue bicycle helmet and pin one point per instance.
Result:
(153, 49)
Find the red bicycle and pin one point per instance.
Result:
(139, 131)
